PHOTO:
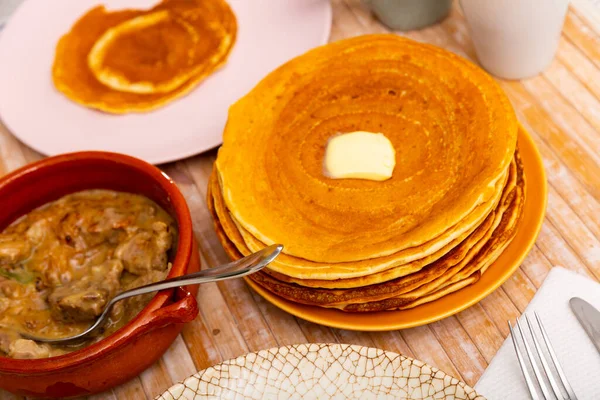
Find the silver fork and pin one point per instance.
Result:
(535, 365)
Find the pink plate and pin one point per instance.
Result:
(270, 32)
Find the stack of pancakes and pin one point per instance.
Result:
(451, 207)
(138, 60)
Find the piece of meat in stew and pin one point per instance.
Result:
(62, 263)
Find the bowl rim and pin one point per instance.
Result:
(181, 260)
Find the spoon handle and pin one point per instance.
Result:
(236, 269)
(242, 267)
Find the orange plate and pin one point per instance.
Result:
(497, 273)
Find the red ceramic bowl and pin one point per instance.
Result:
(144, 339)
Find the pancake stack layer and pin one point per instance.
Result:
(138, 60)
(451, 207)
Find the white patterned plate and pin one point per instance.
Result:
(321, 371)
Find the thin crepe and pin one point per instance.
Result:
(211, 31)
(461, 267)
(357, 273)
(453, 129)
(458, 262)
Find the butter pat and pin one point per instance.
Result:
(360, 155)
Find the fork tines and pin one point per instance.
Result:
(539, 362)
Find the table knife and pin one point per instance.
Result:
(589, 318)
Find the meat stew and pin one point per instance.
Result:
(62, 263)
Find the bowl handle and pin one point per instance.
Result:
(183, 309)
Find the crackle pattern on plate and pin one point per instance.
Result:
(323, 371)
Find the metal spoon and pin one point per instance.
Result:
(242, 267)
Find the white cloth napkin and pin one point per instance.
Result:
(578, 356)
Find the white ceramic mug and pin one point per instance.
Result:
(515, 39)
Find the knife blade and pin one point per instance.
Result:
(589, 318)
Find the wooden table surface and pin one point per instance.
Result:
(560, 108)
